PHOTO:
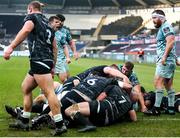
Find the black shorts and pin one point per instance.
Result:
(70, 98)
(40, 67)
(101, 113)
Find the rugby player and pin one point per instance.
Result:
(102, 112)
(166, 63)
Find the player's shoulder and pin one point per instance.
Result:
(65, 29)
(166, 25)
(133, 76)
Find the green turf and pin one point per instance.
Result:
(12, 73)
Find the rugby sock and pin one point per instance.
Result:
(46, 110)
(25, 117)
(171, 98)
(58, 120)
(159, 96)
(78, 117)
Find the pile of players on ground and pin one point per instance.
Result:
(99, 96)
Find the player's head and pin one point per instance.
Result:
(149, 99)
(127, 68)
(54, 22)
(34, 6)
(158, 17)
(61, 18)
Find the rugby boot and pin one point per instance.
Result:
(20, 124)
(37, 122)
(170, 111)
(155, 111)
(58, 131)
(14, 112)
(86, 124)
(87, 128)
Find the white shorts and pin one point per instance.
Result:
(61, 67)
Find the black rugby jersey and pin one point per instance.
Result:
(92, 86)
(119, 100)
(97, 70)
(41, 38)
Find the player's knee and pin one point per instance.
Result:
(25, 89)
(70, 111)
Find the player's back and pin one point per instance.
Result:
(93, 85)
(41, 38)
(120, 97)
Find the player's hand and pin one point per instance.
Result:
(163, 61)
(177, 63)
(76, 82)
(7, 52)
(76, 55)
(126, 80)
(68, 60)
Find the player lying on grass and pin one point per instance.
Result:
(105, 110)
(100, 82)
(77, 94)
(88, 81)
(149, 99)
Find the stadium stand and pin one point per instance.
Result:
(123, 26)
(74, 3)
(83, 16)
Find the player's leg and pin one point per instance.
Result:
(62, 77)
(159, 85)
(45, 82)
(79, 113)
(28, 85)
(171, 96)
(40, 99)
(62, 70)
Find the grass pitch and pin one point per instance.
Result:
(12, 73)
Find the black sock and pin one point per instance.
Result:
(46, 110)
(59, 124)
(24, 120)
(79, 118)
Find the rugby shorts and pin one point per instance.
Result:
(40, 67)
(165, 71)
(61, 67)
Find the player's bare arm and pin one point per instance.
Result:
(21, 36)
(73, 48)
(54, 51)
(116, 73)
(169, 45)
(132, 115)
(66, 52)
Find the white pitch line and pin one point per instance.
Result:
(159, 119)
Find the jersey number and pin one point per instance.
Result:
(91, 81)
(123, 100)
(49, 36)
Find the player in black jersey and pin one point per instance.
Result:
(102, 70)
(86, 86)
(43, 52)
(102, 112)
